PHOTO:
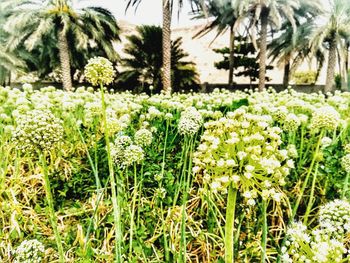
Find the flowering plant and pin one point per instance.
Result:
(99, 71)
(244, 151)
(37, 130)
(29, 251)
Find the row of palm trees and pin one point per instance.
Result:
(54, 31)
(287, 31)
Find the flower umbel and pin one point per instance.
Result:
(190, 121)
(37, 130)
(29, 251)
(243, 149)
(143, 137)
(334, 217)
(99, 70)
(345, 163)
(325, 118)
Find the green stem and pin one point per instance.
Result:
(116, 208)
(184, 164)
(166, 248)
(186, 185)
(100, 194)
(311, 199)
(295, 208)
(264, 231)
(93, 166)
(133, 212)
(301, 143)
(297, 203)
(345, 188)
(139, 196)
(52, 213)
(229, 226)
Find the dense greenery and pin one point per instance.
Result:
(298, 31)
(143, 63)
(244, 60)
(172, 158)
(249, 176)
(57, 35)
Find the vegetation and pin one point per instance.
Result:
(292, 47)
(307, 77)
(93, 175)
(331, 34)
(54, 32)
(143, 63)
(244, 59)
(141, 178)
(167, 6)
(227, 14)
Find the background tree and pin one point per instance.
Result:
(292, 47)
(57, 25)
(265, 12)
(227, 14)
(144, 60)
(245, 59)
(331, 32)
(9, 62)
(167, 6)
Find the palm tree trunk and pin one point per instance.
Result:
(9, 79)
(332, 57)
(63, 49)
(232, 57)
(166, 74)
(347, 57)
(263, 44)
(286, 73)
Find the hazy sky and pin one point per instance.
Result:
(148, 12)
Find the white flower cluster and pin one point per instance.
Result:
(125, 153)
(143, 137)
(325, 244)
(190, 122)
(334, 217)
(303, 247)
(29, 251)
(99, 70)
(280, 113)
(345, 163)
(292, 151)
(133, 154)
(37, 130)
(153, 113)
(243, 149)
(115, 123)
(291, 122)
(347, 148)
(325, 142)
(325, 117)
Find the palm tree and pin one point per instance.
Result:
(269, 12)
(166, 39)
(9, 62)
(144, 61)
(332, 31)
(228, 14)
(30, 22)
(292, 47)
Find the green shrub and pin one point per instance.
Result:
(305, 77)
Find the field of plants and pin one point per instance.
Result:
(99, 176)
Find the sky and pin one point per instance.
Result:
(149, 12)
